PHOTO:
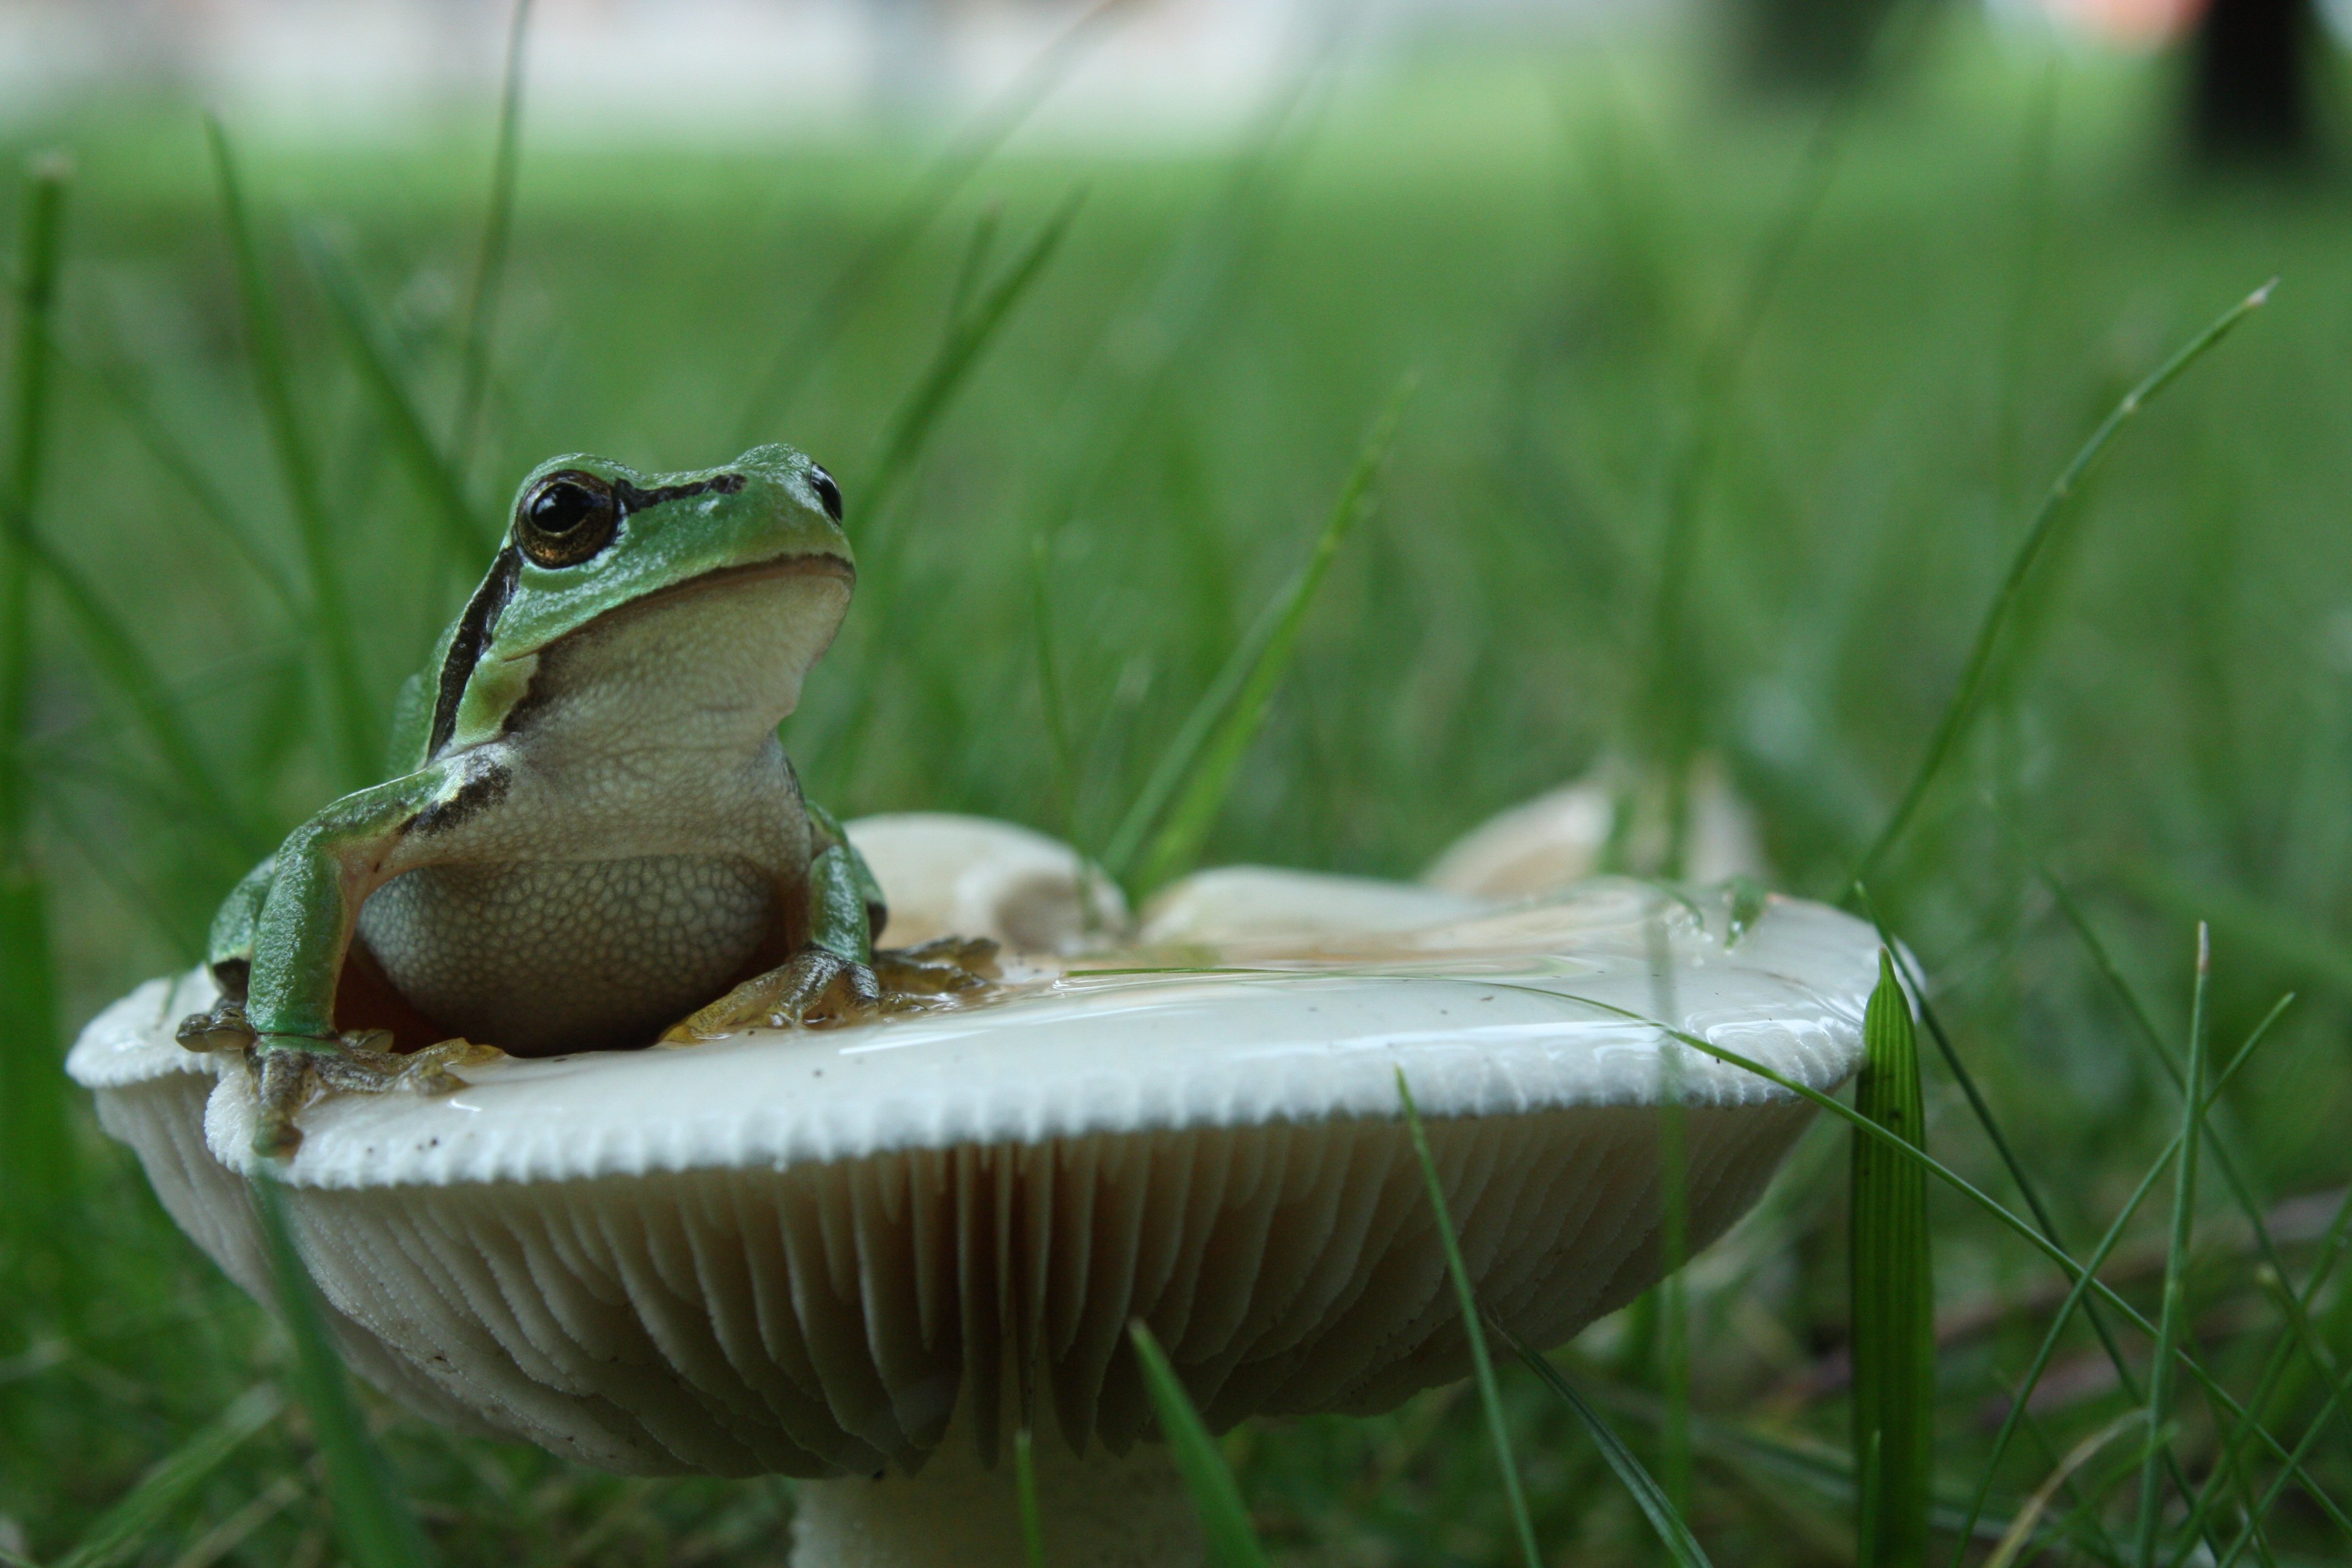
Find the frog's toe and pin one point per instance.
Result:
(939, 967)
(286, 1080)
(223, 1028)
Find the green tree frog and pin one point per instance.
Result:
(593, 838)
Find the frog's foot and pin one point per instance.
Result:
(289, 1077)
(818, 986)
(223, 1028)
(939, 967)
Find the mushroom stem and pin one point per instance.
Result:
(1100, 1511)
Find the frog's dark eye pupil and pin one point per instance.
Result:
(826, 491)
(561, 508)
(567, 518)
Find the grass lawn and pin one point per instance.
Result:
(1804, 388)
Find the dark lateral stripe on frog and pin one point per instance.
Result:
(485, 789)
(635, 500)
(466, 648)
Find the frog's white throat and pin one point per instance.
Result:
(711, 667)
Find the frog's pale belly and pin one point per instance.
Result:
(540, 957)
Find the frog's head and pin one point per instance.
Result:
(640, 601)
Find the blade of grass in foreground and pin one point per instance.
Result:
(374, 1523)
(373, 356)
(1998, 1212)
(1648, 1496)
(36, 1147)
(1962, 709)
(122, 1531)
(1024, 1482)
(1209, 747)
(1232, 1542)
(1893, 1291)
(349, 712)
(2020, 1529)
(1489, 1395)
(2014, 1420)
(490, 260)
(2160, 1376)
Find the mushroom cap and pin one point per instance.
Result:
(806, 1251)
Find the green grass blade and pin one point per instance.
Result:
(1681, 1545)
(1997, 1211)
(149, 429)
(1024, 1483)
(959, 352)
(134, 678)
(2160, 1378)
(350, 714)
(924, 202)
(1232, 1540)
(2020, 1529)
(374, 1525)
(374, 357)
(42, 238)
(1208, 748)
(1961, 710)
(1050, 695)
(1893, 1290)
(490, 258)
(36, 1155)
(2027, 1187)
(2013, 1422)
(122, 1531)
(1490, 1397)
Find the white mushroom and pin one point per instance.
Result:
(1557, 840)
(866, 1252)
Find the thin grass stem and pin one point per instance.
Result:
(1233, 1542)
(1481, 1365)
(2012, 1421)
(1648, 1496)
(350, 716)
(37, 1149)
(490, 256)
(124, 1531)
(1961, 710)
(833, 310)
(151, 433)
(1200, 759)
(371, 1519)
(375, 356)
(1208, 774)
(1024, 1484)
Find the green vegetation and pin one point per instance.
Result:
(1725, 438)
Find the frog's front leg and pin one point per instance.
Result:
(299, 932)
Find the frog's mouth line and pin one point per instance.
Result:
(810, 564)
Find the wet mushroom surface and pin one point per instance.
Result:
(868, 1251)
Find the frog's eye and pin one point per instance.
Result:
(566, 518)
(826, 491)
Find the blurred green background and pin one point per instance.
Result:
(1808, 344)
